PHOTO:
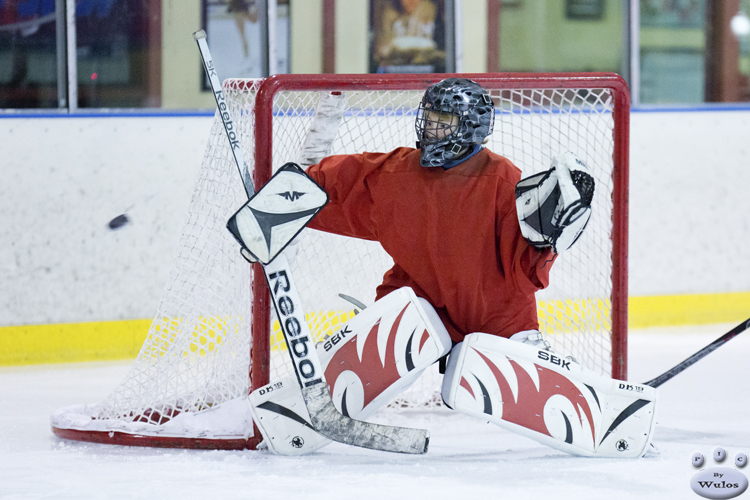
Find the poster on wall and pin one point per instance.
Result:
(411, 36)
(234, 32)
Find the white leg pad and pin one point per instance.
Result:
(382, 351)
(540, 395)
(378, 354)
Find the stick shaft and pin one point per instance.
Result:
(296, 332)
(656, 382)
(288, 306)
(223, 109)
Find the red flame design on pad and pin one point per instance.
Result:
(528, 410)
(425, 336)
(376, 376)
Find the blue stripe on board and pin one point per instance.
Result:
(691, 109)
(310, 112)
(108, 114)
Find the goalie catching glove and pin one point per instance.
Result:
(554, 206)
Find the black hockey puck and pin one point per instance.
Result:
(118, 222)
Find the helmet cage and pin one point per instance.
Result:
(436, 125)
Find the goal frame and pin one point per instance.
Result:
(263, 161)
(262, 141)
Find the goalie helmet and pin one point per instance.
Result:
(454, 114)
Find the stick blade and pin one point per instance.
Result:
(330, 423)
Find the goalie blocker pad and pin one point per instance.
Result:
(376, 355)
(270, 219)
(535, 393)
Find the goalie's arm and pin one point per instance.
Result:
(316, 146)
(349, 210)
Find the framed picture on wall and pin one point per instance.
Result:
(236, 32)
(411, 36)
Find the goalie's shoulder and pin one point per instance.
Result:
(395, 161)
(499, 166)
(500, 172)
(490, 166)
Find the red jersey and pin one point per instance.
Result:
(453, 234)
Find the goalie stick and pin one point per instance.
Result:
(667, 375)
(326, 419)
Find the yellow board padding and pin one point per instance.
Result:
(205, 335)
(112, 340)
(677, 310)
(575, 315)
(322, 324)
(72, 343)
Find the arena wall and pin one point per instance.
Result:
(67, 275)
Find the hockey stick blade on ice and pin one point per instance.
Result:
(667, 375)
(326, 419)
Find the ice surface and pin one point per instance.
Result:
(706, 406)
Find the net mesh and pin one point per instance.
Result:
(531, 127)
(197, 354)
